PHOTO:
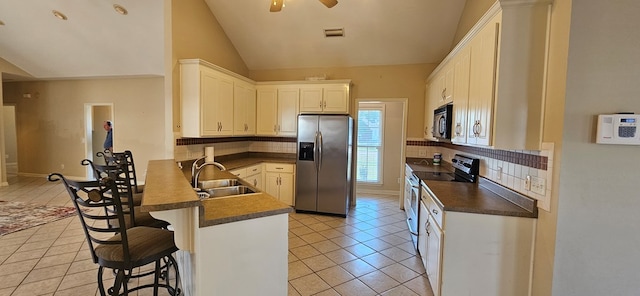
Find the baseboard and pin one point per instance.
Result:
(378, 192)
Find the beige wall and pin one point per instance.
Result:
(10, 141)
(473, 11)
(399, 81)
(50, 125)
(196, 33)
(597, 230)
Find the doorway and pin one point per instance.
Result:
(391, 149)
(95, 116)
(10, 141)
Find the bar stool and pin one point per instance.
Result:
(125, 190)
(117, 247)
(125, 157)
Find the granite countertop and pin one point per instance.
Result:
(476, 198)
(168, 188)
(483, 197)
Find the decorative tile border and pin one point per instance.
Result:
(198, 141)
(530, 160)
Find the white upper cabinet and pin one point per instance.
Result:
(461, 93)
(288, 111)
(267, 111)
(215, 101)
(500, 105)
(206, 95)
(325, 98)
(277, 110)
(244, 109)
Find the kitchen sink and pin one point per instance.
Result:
(225, 191)
(207, 184)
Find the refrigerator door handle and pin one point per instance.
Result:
(315, 151)
(319, 150)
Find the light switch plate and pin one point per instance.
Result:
(538, 185)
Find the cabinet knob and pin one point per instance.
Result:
(434, 211)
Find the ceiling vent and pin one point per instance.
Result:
(334, 32)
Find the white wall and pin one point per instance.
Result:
(598, 220)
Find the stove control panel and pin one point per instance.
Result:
(621, 129)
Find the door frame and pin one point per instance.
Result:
(405, 103)
(88, 124)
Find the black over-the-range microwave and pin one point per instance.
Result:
(442, 121)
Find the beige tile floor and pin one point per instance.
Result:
(368, 253)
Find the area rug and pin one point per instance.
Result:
(16, 216)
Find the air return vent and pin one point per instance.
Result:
(334, 32)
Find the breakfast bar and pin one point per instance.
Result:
(224, 242)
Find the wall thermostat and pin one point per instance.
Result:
(621, 129)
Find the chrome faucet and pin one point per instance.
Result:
(196, 169)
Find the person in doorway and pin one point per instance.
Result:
(108, 142)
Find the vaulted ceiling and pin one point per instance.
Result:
(97, 41)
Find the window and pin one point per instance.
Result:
(370, 139)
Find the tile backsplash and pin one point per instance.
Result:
(275, 145)
(508, 168)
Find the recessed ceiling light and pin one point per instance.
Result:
(119, 9)
(59, 15)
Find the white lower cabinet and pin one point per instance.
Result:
(279, 181)
(251, 175)
(475, 254)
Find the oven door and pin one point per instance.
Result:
(411, 204)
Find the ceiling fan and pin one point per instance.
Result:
(276, 5)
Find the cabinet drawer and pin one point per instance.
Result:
(254, 169)
(433, 208)
(240, 173)
(279, 167)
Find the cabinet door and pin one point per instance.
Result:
(286, 188)
(267, 111)
(311, 99)
(255, 181)
(447, 85)
(287, 111)
(422, 233)
(209, 88)
(434, 248)
(224, 105)
(482, 85)
(461, 97)
(272, 184)
(244, 109)
(336, 99)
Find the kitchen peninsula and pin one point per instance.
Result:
(224, 243)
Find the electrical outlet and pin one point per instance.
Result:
(422, 152)
(499, 173)
(62, 166)
(538, 185)
(527, 183)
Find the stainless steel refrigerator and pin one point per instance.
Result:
(324, 166)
